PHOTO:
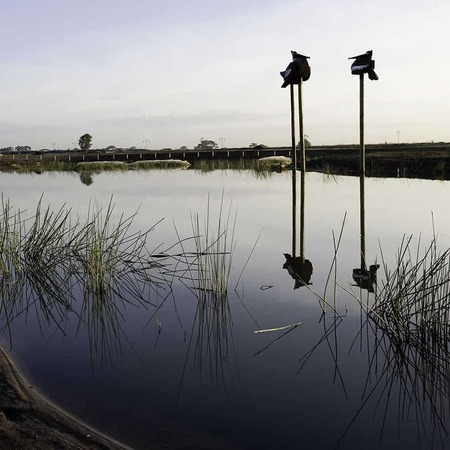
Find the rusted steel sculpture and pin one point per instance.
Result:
(297, 71)
(364, 64)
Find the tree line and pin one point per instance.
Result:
(85, 143)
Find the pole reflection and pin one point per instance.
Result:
(365, 278)
(298, 267)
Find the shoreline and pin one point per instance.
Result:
(30, 421)
(427, 161)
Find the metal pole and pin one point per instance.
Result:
(300, 124)
(303, 171)
(294, 174)
(302, 216)
(362, 171)
(362, 149)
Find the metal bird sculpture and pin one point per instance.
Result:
(297, 70)
(364, 64)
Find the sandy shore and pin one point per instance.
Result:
(28, 421)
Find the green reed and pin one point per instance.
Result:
(409, 350)
(59, 266)
(414, 299)
(207, 275)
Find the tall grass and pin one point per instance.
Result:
(410, 346)
(240, 165)
(207, 276)
(58, 266)
(413, 303)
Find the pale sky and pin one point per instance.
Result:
(173, 72)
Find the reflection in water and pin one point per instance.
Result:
(330, 339)
(251, 166)
(366, 279)
(211, 338)
(86, 178)
(407, 340)
(299, 268)
(363, 277)
(406, 332)
(404, 364)
(207, 276)
(409, 377)
(60, 269)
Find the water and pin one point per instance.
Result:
(234, 386)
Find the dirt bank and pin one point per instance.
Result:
(28, 421)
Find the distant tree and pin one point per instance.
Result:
(206, 144)
(85, 142)
(111, 147)
(253, 145)
(257, 146)
(7, 149)
(86, 178)
(183, 148)
(23, 148)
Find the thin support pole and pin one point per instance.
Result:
(362, 148)
(302, 216)
(303, 171)
(362, 172)
(300, 125)
(294, 174)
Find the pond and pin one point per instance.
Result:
(320, 373)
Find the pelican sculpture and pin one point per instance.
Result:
(364, 64)
(297, 70)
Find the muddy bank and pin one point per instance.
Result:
(28, 421)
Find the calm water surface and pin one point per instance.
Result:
(234, 385)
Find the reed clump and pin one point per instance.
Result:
(207, 270)
(58, 266)
(100, 166)
(410, 324)
(159, 164)
(239, 165)
(414, 300)
(38, 167)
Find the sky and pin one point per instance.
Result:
(157, 74)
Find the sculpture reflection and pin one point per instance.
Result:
(298, 267)
(366, 279)
(363, 277)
